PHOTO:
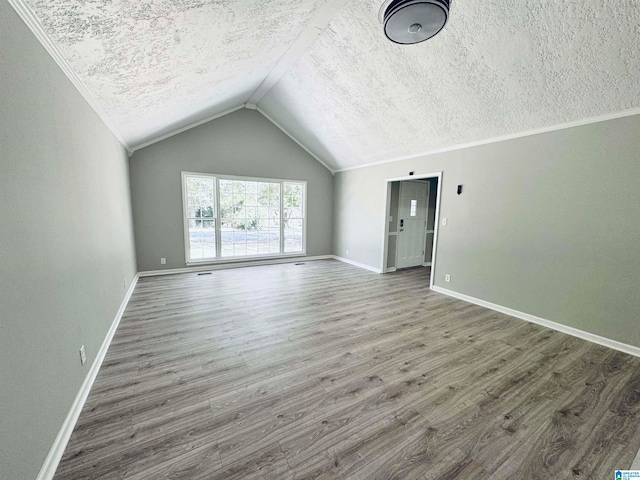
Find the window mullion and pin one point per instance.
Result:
(218, 224)
(281, 217)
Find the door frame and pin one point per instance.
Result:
(385, 239)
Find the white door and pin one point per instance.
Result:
(412, 220)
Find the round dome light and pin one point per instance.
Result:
(414, 21)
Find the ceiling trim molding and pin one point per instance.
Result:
(187, 127)
(300, 144)
(30, 19)
(303, 41)
(526, 133)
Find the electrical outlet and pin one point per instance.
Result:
(163, 261)
(447, 278)
(125, 281)
(347, 251)
(83, 355)
(445, 221)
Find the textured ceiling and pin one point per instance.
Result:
(500, 67)
(157, 65)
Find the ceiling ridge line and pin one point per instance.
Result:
(298, 47)
(29, 18)
(503, 138)
(298, 142)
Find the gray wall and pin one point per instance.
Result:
(547, 224)
(241, 143)
(66, 244)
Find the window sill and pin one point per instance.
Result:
(251, 258)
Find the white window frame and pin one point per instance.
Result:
(219, 258)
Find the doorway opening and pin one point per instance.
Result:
(411, 222)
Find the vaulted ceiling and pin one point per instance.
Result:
(324, 72)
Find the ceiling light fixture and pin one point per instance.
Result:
(413, 21)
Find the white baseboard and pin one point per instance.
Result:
(220, 266)
(357, 264)
(426, 264)
(591, 337)
(50, 464)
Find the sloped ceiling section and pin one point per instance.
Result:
(156, 66)
(324, 72)
(500, 67)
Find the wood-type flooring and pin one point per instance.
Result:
(327, 371)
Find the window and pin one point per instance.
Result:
(201, 217)
(293, 216)
(235, 217)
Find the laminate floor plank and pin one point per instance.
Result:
(327, 371)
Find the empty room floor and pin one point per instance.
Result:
(327, 371)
